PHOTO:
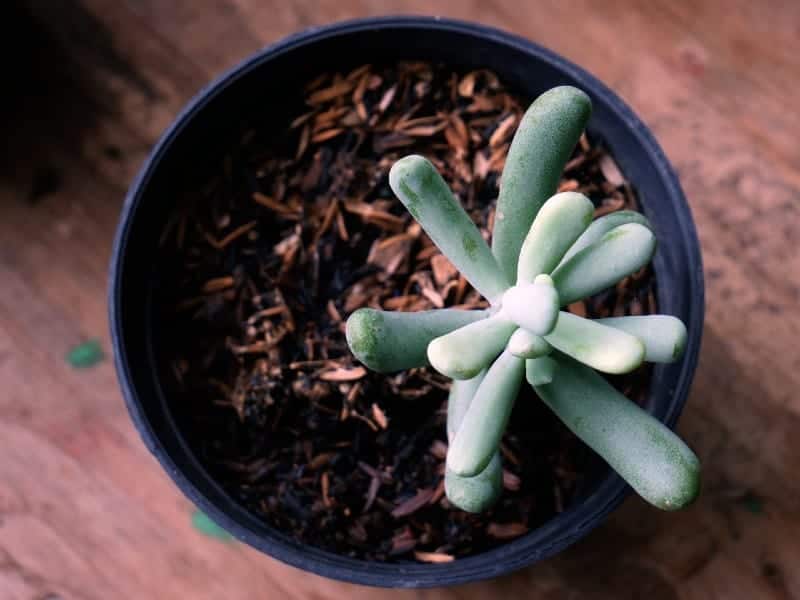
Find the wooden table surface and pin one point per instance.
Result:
(86, 512)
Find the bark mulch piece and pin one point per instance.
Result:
(291, 234)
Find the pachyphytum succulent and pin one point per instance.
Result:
(546, 253)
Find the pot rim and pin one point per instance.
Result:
(535, 545)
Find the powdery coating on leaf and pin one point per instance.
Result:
(601, 347)
(480, 432)
(650, 457)
(542, 144)
(387, 341)
(559, 223)
(465, 352)
(619, 253)
(664, 336)
(427, 197)
(475, 494)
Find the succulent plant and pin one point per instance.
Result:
(546, 253)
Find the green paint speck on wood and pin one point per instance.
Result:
(202, 523)
(85, 355)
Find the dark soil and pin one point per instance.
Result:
(287, 237)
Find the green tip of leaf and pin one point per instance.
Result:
(475, 494)
(647, 454)
(388, 341)
(604, 348)
(664, 336)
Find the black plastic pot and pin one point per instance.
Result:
(271, 82)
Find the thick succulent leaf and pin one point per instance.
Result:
(475, 494)
(651, 458)
(561, 221)
(525, 344)
(540, 371)
(533, 306)
(463, 353)
(479, 436)
(387, 341)
(663, 336)
(472, 494)
(461, 394)
(429, 200)
(617, 254)
(601, 347)
(600, 227)
(541, 147)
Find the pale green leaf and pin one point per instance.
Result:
(524, 344)
(601, 347)
(539, 371)
(541, 147)
(651, 458)
(479, 436)
(561, 221)
(664, 336)
(617, 254)
(387, 341)
(427, 197)
(599, 227)
(463, 353)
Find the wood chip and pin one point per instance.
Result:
(334, 91)
(413, 504)
(506, 531)
(578, 308)
(218, 284)
(344, 374)
(443, 270)
(278, 207)
(611, 171)
(434, 557)
(379, 416)
(503, 131)
(510, 481)
(438, 449)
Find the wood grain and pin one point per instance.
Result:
(86, 513)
